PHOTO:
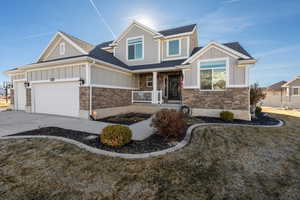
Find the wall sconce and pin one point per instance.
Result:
(81, 81)
(26, 84)
(10, 85)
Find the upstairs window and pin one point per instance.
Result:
(62, 48)
(135, 48)
(173, 47)
(296, 91)
(213, 75)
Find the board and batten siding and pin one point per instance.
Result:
(76, 71)
(150, 47)
(18, 77)
(237, 75)
(184, 51)
(106, 77)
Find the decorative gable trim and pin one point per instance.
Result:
(133, 24)
(220, 47)
(59, 34)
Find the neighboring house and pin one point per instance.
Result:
(275, 95)
(291, 99)
(74, 78)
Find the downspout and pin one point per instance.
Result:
(91, 93)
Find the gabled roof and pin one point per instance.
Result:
(84, 45)
(233, 45)
(234, 48)
(178, 30)
(276, 86)
(80, 45)
(288, 83)
(133, 24)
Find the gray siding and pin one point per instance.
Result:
(237, 75)
(295, 83)
(70, 51)
(102, 76)
(18, 77)
(150, 47)
(76, 71)
(184, 49)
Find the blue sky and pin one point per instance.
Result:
(268, 29)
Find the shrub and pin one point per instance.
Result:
(226, 116)
(169, 123)
(258, 110)
(116, 135)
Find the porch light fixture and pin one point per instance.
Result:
(81, 81)
(26, 84)
(10, 85)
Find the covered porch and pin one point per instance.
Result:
(159, 88)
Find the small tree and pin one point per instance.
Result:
(256, 95)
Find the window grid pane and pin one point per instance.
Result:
(135, 49)
(174, 47)
(213, 75)
(206, 79)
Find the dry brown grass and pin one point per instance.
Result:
(293, 113)
(219, 163)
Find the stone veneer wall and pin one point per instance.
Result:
(104, 97)
(12, 96)
(230, 99)
(28, 96)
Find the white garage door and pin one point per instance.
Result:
(60, 98)
(20, 96)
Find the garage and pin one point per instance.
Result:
(20, 95)
(58, 98)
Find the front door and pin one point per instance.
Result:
(173, 87)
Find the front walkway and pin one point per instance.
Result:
(15, 122)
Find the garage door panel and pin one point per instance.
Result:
(57, 98)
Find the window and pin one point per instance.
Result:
(62, 48)
(149, 81)
(173, 47)
(213, 75)
(296, 91)
(135, 49)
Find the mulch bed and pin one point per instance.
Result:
(126, 119)
(262, 119)
(150, 144)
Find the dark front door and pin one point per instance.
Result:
(173, 87)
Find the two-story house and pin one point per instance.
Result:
(141, 66)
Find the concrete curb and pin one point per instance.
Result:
(180, 145)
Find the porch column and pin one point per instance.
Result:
(154, 83)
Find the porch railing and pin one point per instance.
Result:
(147, 97)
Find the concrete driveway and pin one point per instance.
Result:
(12, 122)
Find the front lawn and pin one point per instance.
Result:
(219, 163)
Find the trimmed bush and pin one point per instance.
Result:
(258, 110)
(226, 116)
(169, 123)
(116, 135)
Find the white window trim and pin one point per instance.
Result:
(179, 52)
(62, 48)
(143, 48)
(148, 81)
(293, 91)
(213, 60)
